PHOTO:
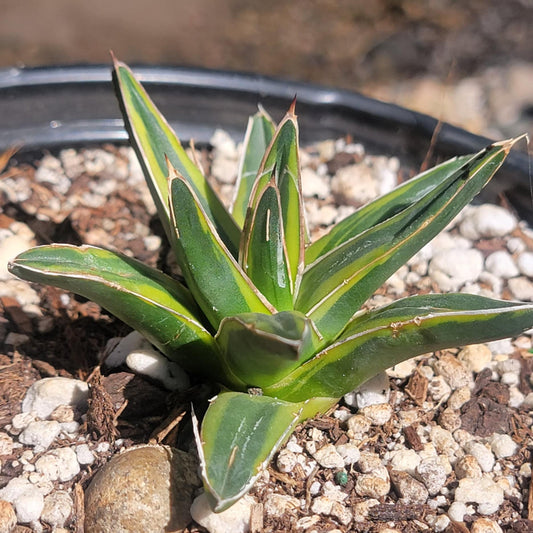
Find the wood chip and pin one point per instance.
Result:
(101, 413)
(17, 315)
(457, 527)
(412, 438)
(385, 512)
(417, 388)
(79, 508)
(256, 518)
(530, 500)
(170, 422)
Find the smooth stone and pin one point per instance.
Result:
(452, 268)
(148, 489)
(155, 365)
(475, 357)
(117, 349)
(236, 519)
(48, 393)
(525, 264)
(501, 264)
(521, 288)
(487, 221)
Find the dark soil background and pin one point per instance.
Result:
(354, 44)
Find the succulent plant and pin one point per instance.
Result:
(278, 322)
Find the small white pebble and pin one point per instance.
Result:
(483, 455)
(487, 220)
(483, 491)
(328, 457)
(457, 511)
(315, 488)
(525, 264)
(48, 393)
(475, 357)
(286, 461)
(84, 454)
(29, 506)
(349, 452)
(501, 264)
(516, 398)
(375, 391)
(293, 446)
(378, 414)
(516, 245)
(102, 447)
(510, 378)
(431, 472)
(405, 460)
(57, 508)
(342, 414)
(40, 434)
(509, 366)
(358, 426)
(60, 464)
(502, 346)
(372, 486)
(154, 364)
(70, 427)
(20, 421)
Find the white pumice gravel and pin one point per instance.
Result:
(48, 393)
(482, 491)
(454, 474)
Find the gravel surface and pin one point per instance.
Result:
(442, 439)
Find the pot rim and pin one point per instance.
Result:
(53, 106)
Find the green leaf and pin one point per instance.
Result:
(258, 136)
(337, 284)
(154, 141)
(149, 301)
(381, 338)
(265, 255)
(240, 434)
(219, 285)
(261, 349)
(281, 163)
(383, 207)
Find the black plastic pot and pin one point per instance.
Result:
(48, 108)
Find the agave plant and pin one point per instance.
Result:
(275, 320)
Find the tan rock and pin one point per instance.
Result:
(147, 489)
(8, 518)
